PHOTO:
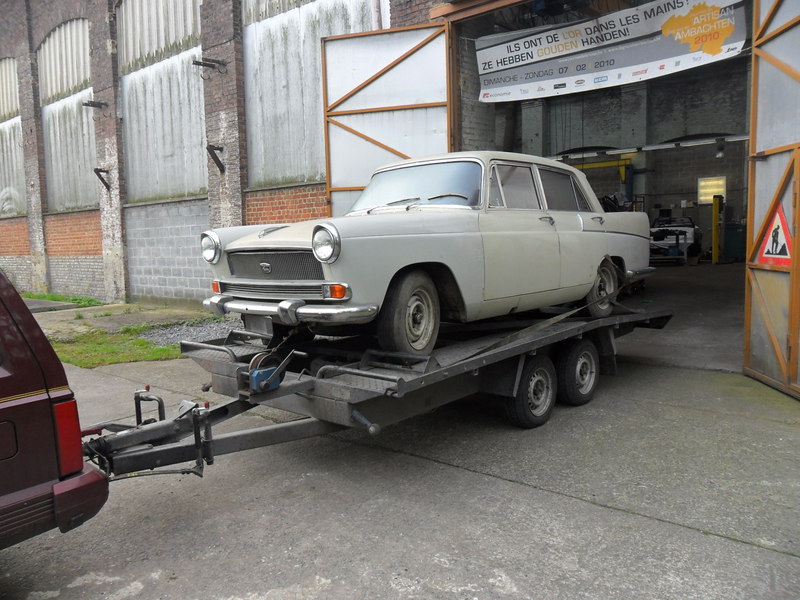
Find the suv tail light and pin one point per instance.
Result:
(68, 434)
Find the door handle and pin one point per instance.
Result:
(548, 219)
(600, 220)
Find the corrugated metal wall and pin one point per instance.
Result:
(163, 126)
(69, 146)
(283, 89)
(12, 167)
(152, 30)
(9, 90)
(64, 65)
(161, 99)
(69, 153)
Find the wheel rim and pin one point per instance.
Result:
(606, 286)
(420, 320)
(585, 372)
(540, 392)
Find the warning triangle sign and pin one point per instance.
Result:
(776, 249)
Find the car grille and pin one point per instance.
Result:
(286, 265)
(272, 292)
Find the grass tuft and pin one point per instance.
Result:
(80, 301)
(97, 348)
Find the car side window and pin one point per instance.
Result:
(512, 186)
(583, 203)
(559, 191)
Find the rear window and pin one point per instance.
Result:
(562, 191)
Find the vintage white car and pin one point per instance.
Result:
(456, 237)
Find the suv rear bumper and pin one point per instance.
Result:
(63, 504)
(293, 312)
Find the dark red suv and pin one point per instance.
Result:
(44, 482)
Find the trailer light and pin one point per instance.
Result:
(215, 287)
(326, 243)
(336, 291)
(210, 247)
(68, 435)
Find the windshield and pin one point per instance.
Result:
(454, 183)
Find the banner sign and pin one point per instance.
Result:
(654, 39)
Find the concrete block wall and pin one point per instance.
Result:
(163, 244)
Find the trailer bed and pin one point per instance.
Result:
(335, 383)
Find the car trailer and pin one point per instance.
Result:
(334, 384)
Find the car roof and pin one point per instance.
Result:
(485, 156)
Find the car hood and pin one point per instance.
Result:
(298, 235)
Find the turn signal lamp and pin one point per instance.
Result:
(215, 287)
(337, 291)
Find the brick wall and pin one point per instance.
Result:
(76, 276)
(411, 12)
(73, 234)
(164, 259)
(18, 271)
(296, 203)
(74, 254)
(221, 38)
(14, 237)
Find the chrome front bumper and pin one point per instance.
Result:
(293, 312)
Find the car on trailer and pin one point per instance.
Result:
(458, 237)
(44, 482)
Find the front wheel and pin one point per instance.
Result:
(536, 396)
(603, 292)
(409, 319)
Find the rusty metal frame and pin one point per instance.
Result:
(785, 351)
(330, 105)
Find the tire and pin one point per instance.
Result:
(536, 396)
(599, 299)
(409, 318)
(578, 370)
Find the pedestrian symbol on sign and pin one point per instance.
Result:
(776, 249)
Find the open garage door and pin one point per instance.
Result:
(386, 98)
(773, 269)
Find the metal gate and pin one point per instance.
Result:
(386, 98)
(772, 302)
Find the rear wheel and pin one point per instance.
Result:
(409, 319)
(602, 294)
(536, 396)
(578, 370)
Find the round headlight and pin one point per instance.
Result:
(210, 247)
(326, 243)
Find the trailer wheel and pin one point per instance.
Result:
(600, 296)
(536, 395)
(578, 369)
(409, 319)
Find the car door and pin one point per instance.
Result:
(581, 231)
(520, 243)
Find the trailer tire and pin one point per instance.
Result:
(600, 297)
(536, 395)
(409, 319)
(578, 370)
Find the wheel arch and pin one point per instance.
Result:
(451, 300)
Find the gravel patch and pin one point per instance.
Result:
(196, 332)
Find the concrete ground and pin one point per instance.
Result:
(674, 482)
